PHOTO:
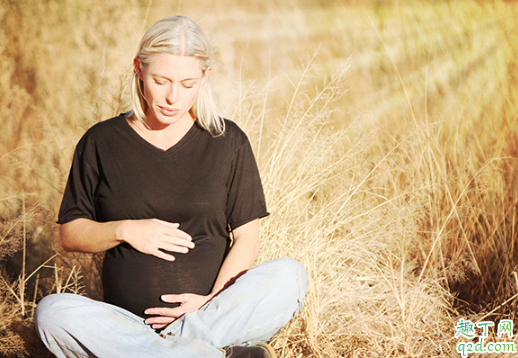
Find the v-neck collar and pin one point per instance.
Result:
(191, 133)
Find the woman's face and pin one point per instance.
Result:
(171, 85)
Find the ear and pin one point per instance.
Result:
(137, 67)
(207, 74)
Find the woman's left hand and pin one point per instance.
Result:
(163, 316)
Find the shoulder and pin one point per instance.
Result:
(229, 144)
(102, 140)
(100, 132)
(106, 126)
(234, 133)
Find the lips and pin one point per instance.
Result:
(168, 112)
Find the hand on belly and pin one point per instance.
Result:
(163, 316)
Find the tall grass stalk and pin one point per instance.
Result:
(320, 194)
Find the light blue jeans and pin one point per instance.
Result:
(252, 309)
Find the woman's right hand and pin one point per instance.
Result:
(151, 236)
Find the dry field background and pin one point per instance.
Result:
(386, 134)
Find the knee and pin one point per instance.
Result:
(298, 274)
(290, 270)
(288, 274)
(54, 310)
(292, 282)
(296, 269)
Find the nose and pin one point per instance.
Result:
(172, 94)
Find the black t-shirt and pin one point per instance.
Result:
(206, 184)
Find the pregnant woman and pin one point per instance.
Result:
(170, 191)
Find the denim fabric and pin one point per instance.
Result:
(252, 309)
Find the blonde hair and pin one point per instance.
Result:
(180, 36)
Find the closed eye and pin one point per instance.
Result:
(189, 84)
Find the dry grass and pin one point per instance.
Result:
(389, 157)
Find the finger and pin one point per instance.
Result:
(174, 230)
(177, 233)
(159, 320)
(186, 243)
(175, 247)
(170, 298)
(160, 313)
(160, 325)
(162, 255)
(166, 223)
(183, 235)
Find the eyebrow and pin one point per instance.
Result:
(167, 78)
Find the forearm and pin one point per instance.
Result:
(241, 256)
(84, 235)
(149, 236)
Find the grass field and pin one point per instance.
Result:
(386, 134)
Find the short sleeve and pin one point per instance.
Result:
(246, 200)
(78, 199)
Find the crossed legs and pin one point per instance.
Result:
(252, 309)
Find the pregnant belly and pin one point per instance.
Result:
(135, 281)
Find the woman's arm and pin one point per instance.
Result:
(239, 259)
(241, 256)
(84, 235)
(147, 236)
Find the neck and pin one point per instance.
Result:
(162, 137)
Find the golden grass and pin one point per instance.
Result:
(386, 134)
